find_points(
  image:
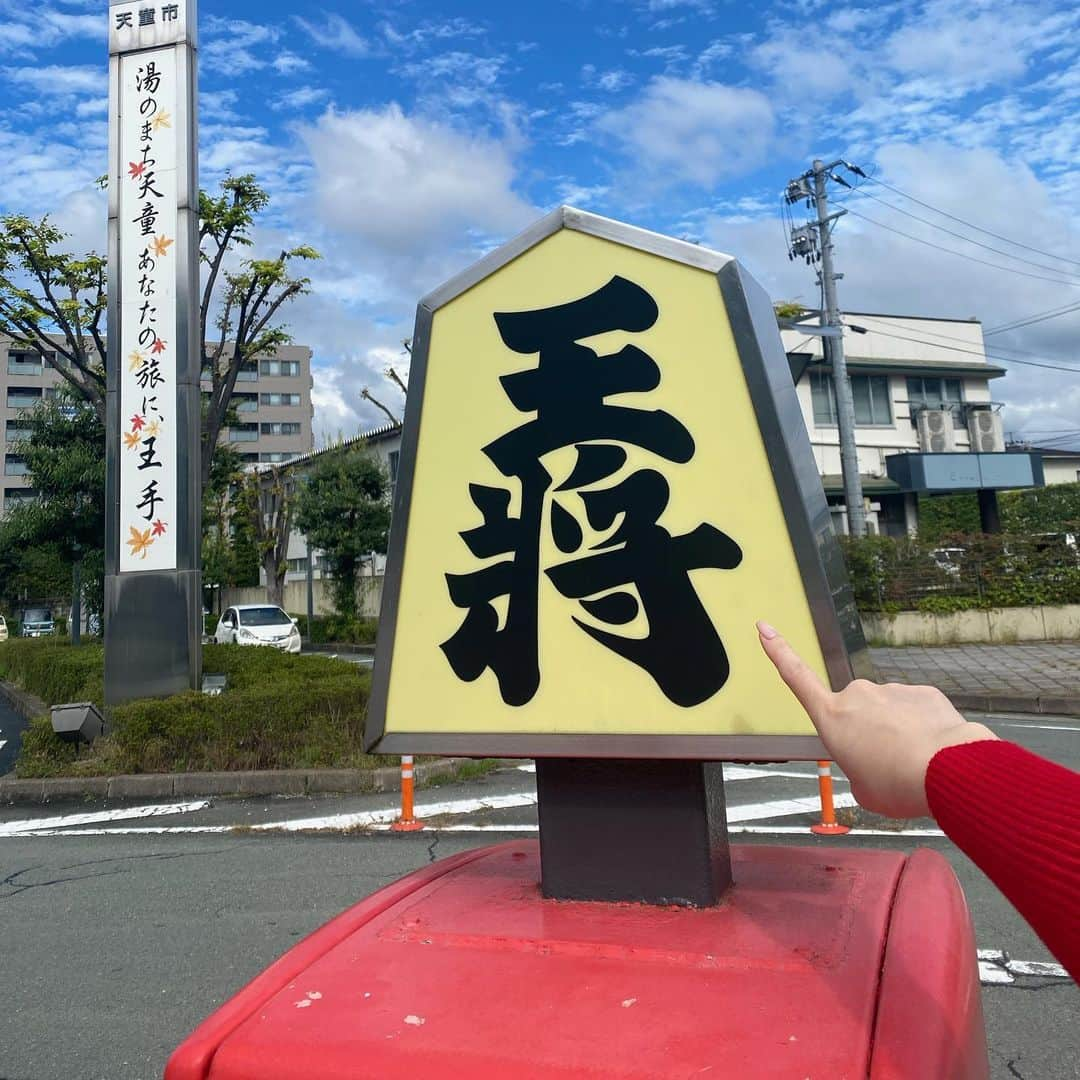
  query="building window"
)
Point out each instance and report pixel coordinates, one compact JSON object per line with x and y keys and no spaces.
{"x":873,"y":407}
{"x":247,"y":373}
{"x":14,"y":465}
{"x":22,"y":363}
{"x":23,"y":397}
{"x":297,"y":566}
{"x":280,"y":399}
{"x":276,"y":457}
{"x":246,"y":402}
{"x":279,"y":367}
{"x":244,"y":433}
{"x":280,"y":428}
{"x":249,"y":459}
{"x":936,"y":394}
{"x":14,"y":431}
{"x":16,"y":496}
{"x":821,"y":391}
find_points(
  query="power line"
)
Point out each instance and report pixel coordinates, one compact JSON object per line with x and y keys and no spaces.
{"x":944,"y":337}
{"x":968,"y":239}
{"x":1029,"y":320}
{"x":961,"y":254}
{"x":973,"y":352}
{"x":970,"y":224}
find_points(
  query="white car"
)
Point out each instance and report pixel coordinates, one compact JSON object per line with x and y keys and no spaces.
{"x":258,"y":624}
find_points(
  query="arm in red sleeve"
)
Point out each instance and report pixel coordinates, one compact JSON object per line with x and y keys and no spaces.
{"x":1017,"y":817}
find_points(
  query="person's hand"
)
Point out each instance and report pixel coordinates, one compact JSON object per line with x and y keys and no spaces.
{"x":883,"y":737}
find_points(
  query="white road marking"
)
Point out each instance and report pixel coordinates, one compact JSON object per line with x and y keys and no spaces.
{"x":14,"y":828}
{"x":735,"y":772}
{"x":997,"y":968}
{"x":1036,"y":727}
{"x":746,"y":772}
{"x":783,"y":807}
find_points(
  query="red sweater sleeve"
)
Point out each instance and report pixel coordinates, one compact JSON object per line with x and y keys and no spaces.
{"x":1017,"y":816}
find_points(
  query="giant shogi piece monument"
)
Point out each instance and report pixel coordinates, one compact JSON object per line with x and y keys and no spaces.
{"x":153,"y":602}
{"x":605,"y":481}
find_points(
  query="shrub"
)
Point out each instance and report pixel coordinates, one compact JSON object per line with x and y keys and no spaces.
{"x":961,"y":572}
{"x":278,"y":711}
{"x":53,"y":669}
{"x":338,"y":629}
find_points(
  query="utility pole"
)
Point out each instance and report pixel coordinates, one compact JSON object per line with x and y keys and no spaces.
{"x":820,"y":248}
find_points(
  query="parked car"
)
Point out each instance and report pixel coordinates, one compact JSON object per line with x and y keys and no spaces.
{"x":258,"y":624}
{"x":37,"y":622}
{"x":3,"y":629}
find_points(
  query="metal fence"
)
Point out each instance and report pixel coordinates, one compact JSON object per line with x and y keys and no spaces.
{"x":961,"y":572}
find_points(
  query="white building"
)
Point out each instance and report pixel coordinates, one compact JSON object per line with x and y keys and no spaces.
{"x":899,"y":366}
{"x":385,"y":444}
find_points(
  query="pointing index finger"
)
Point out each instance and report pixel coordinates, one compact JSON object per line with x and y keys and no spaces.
{"x":814,"y":696}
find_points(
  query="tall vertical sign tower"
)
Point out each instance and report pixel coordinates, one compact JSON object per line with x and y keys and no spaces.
{"x":153,"y":600}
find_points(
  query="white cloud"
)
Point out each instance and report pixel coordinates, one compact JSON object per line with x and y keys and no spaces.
{"x":335,"y":33}
{"x":404,"y":183}
{"x":303,"y":96}
{"x":611,"y":81}
{"x":43,"y":27}
{"x":887,"y":273}
{"x":697,"y":132}
{"x":236,"y":46}
{"x":288,"y":63}
{"x":54,"y":80}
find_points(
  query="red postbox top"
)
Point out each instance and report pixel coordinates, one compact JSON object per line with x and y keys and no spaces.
{"x":463,"y":970}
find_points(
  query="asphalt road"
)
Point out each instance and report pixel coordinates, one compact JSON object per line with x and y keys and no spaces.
{"x":114,"y":944}
{"x":11,"y":729}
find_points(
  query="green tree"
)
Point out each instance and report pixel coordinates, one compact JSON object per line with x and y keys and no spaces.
{"x":53,"y":302}
{"x":29,"y":575}
{"x":343,"y":509}
{"x":65,"y":459}
{"x":265,"y":502}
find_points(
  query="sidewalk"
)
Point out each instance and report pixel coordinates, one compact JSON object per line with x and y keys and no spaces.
{"x":1041,"y":677}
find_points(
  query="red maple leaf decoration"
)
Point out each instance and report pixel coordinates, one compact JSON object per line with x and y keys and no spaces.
{"x":158,"y":346}
{"x":137,"y":169}
{"x":159,"y":528}
{"x":137,"y":423}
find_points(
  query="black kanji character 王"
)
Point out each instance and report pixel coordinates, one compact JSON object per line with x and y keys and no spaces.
{"x":567,"y":393}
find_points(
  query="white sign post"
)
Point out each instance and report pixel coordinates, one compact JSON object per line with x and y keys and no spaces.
{"x":153,"y":599}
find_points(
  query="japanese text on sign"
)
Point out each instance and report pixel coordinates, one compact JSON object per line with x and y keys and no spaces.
{"x":634,"y":553}
{"x":148,"y":280}
{"x":141,"y":24}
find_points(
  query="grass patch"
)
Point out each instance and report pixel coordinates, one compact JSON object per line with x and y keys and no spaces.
{"x":279,"y":712}
{"x":465,"y":770}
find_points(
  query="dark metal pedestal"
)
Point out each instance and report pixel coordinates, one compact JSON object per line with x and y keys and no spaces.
{"x":653,"y":832}
{"x":152,"y":644}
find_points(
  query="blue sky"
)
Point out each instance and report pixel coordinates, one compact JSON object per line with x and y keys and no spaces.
{"x":405,"y":139}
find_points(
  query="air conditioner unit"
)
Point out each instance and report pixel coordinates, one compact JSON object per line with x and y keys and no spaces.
{"x":985,"y":430}
{"x":936,"y":434}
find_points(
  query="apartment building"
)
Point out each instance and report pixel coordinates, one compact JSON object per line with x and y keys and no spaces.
{"x":272,"y":399}
{"x":919,"y":384}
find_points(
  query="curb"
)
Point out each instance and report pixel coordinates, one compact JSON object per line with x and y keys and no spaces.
{"x":263,"y":782}
{"x":1016,"y":703}
{"x":26,"y":705}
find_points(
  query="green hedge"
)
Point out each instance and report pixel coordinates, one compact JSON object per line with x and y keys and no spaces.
{"x":279,"y":711}
{"x":962,"y":572}
{"x":1054,"y":509}
{"x":338,"y":629}
{"x":53,"y":670}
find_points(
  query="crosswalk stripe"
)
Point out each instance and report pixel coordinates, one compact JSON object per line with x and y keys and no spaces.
{"x":14,"y":828}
